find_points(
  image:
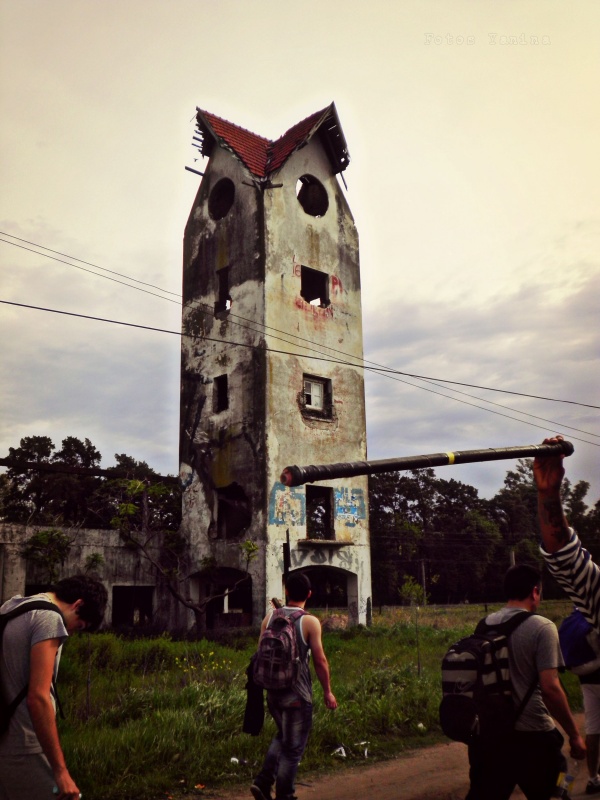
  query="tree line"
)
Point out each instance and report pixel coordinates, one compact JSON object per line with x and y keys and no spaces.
{"x":40,"y":497}
{"x":431,"y":539}
{"x":436,"y":539}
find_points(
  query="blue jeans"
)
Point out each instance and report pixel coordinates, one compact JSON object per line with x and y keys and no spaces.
{"x":293,"y":718}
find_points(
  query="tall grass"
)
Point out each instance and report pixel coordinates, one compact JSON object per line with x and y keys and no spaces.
{"x":156,"y":716}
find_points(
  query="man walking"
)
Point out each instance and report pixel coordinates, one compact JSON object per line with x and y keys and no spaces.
{"x":292,"y":708}
{"x":531,"y":756}
{"x":32,"y":762}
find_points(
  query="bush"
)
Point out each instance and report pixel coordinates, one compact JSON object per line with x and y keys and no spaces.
{"x":160,"y":714}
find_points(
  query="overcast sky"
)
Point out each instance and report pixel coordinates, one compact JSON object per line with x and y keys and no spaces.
{"x":473,"y":128}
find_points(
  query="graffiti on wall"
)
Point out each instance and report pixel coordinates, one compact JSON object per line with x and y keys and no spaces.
{"x":325,"y":557}
{"x":349,"y":506}
{"x":287,"y":506}
{"x":344,"y":558}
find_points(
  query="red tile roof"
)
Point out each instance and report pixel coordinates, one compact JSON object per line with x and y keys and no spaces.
{"x":264,"y":157}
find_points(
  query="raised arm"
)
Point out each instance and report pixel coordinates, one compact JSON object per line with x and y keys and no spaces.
{"x":548,"y":472}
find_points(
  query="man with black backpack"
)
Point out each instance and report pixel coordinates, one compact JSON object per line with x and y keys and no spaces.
{"x":530,"y":755}
{"x":32,"y":764}
{"x":282,"y":667}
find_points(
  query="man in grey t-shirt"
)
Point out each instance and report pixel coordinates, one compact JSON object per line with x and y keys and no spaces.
{"x":31,"y":758}
{"x":531,"y":757}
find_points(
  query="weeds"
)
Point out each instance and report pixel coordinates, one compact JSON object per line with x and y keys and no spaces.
{"x":161,"y":716}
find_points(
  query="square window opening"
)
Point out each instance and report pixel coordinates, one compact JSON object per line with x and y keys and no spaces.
{"x":314,"y":287}
{"x":132,"y":606}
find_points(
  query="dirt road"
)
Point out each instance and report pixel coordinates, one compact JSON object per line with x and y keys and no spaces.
{"x":434,"y":773}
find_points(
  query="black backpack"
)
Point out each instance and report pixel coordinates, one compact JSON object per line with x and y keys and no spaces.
{"x":476,"y":687}
{"x":7,"y":709}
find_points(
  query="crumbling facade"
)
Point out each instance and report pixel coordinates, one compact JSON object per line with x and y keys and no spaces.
{"x":271,"y":370}
{"x":138,"y":595}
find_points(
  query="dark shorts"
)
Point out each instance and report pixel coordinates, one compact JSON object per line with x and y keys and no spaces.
{"x":530,"y":760}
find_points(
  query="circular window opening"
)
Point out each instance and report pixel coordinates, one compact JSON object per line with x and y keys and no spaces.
{"x":312,"y":196}
{"x":221,"y":198}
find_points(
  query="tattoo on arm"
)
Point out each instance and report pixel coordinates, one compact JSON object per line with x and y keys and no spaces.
{"x":552,"y":517}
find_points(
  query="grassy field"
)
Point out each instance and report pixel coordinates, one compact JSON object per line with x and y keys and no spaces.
{"x":149,"y":718}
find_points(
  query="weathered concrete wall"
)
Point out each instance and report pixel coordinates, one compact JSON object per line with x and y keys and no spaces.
{"x":221,"y":449}
{"x":329,"y":244}
{"x":122,"y":567}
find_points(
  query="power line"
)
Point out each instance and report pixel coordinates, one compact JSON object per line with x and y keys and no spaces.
{"x":377,"y":368}
{"x":83,"y":269}
{"x":81,"y":261}
{"x":269,"y":350}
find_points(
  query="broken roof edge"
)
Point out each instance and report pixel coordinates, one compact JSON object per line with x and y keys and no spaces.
{"x":264,"y":157}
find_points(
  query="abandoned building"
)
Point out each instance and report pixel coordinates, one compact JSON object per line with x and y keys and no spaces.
{"x":271,"y":376}
{"x":272,"y":366}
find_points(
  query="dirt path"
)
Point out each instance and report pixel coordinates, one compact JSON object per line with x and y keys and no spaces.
{"x":433,"y":773}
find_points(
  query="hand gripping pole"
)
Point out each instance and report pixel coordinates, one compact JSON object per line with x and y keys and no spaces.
{"x":296,"y":476}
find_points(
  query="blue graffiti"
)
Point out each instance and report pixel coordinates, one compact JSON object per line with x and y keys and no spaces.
{"x":350,"y":506}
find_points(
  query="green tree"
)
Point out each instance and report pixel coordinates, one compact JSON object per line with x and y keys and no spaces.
{"x":48,"y":550}
{"x":29,"y":491}
{"x":40,"y":496}
{"x":412,"y":593}
{"x":438,"y":532}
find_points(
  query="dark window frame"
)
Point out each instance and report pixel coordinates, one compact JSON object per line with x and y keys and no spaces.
{"x":220,"y":393}
{"x":223,"y":302}
{"x":320,"y":527}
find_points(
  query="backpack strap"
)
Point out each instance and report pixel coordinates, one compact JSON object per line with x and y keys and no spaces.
{"x":504,"y":628}
{"x":24,"y":608}
{"x":293,"y":617}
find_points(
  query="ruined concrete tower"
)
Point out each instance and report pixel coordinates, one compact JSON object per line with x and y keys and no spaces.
{"x":271,"y":375}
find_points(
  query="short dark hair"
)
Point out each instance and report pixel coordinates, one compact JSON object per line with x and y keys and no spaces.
{"x":520,"y":581}
{"x":297,"y":587}
{"x":91,"y":591}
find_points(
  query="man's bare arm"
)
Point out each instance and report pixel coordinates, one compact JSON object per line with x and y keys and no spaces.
{"x":43,"y":717}
{"x":312,"y":632}
{"x":558,"y":705}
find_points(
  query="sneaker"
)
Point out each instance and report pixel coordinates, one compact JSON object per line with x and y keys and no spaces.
{"x":260,"y":794}
{"x":593,"y":787}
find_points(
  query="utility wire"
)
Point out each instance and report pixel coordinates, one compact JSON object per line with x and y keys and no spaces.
{"x":269,"y":350}
{"x":361,"y":363}
{"x":81,"y":261}
{"x":386,"y":372}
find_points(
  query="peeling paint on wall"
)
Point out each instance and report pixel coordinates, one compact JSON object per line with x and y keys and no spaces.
{"x":287,"y":506}
{"x":350,"y":505}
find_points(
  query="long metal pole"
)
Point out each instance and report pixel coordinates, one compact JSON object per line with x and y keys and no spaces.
{"x":296,"y":476}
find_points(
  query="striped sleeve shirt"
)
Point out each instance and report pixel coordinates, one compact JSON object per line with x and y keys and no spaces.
{"x":574,"y":569}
